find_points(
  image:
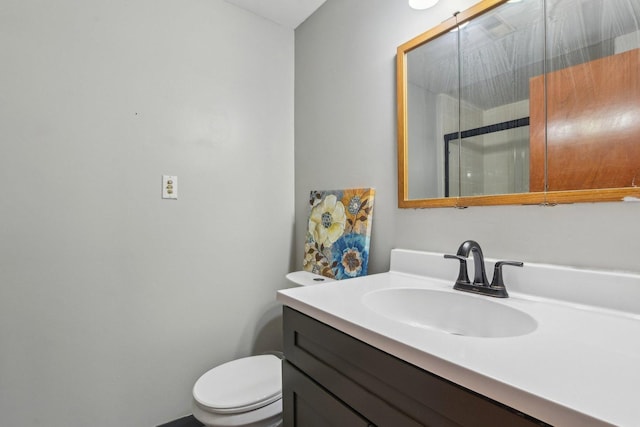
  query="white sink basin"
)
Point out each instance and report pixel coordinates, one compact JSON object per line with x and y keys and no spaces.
{"x":451,"y":312}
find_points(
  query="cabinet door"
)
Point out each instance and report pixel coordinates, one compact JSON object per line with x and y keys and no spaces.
{"x":309,"y":405}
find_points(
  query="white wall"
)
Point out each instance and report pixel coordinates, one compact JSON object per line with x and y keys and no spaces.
{"x":113,"y":301}
{"x":346,"y":136}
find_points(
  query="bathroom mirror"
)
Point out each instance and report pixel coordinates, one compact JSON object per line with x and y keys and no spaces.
{"x":512,"y":102}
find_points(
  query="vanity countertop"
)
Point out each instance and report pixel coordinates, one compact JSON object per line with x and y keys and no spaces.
{"x":580,"y":366}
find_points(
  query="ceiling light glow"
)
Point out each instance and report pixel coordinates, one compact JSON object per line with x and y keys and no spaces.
{"x":422,"y":4}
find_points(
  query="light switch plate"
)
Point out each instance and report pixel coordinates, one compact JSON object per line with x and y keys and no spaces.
{"x":169,"y":187}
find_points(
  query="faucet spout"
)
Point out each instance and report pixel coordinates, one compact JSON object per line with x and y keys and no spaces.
{"x":472,"y":247}
{"x":480,"y":283}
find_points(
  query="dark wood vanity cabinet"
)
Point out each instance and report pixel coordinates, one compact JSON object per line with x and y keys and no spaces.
{"x":333,"y":379}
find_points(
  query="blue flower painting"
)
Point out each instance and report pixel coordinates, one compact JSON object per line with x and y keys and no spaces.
{"x":338,"y":233}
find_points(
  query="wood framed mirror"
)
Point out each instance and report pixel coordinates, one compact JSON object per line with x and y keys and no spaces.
{"x":521,"y":102}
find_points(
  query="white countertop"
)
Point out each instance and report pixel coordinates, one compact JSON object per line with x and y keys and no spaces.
{"x":580,"y":367}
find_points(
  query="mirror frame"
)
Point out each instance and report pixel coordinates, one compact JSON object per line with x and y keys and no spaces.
{"x":535,"y":198}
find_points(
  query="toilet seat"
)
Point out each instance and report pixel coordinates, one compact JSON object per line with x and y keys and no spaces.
{"x":240,"y":385}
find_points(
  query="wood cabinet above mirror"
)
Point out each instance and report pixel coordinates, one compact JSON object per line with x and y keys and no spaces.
{"x":521,"y":102}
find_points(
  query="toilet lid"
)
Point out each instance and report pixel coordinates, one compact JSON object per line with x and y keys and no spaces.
{"x":240,"y":385}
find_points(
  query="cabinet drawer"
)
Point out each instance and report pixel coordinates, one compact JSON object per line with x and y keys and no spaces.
{"x":386,"y":390}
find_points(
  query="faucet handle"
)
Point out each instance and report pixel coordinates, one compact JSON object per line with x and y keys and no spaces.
{"x":463,"y":277}
{"x":497,"y":281}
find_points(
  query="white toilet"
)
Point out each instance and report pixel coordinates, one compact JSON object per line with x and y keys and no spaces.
{"x":245,"y":392}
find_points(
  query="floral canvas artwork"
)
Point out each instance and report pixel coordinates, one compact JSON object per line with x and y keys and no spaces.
{"x":338,"y":233}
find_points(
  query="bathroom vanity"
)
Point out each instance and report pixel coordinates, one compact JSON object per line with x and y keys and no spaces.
{"x":361,"y":352}
{"x":342,"y":381}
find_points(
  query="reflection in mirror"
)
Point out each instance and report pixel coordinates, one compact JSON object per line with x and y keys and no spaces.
{"x":500,"y":51}
{"x":592,"y":97}
{"x":567,"y":72}
{"x":432,"y":93}
{"x":499,"y":153}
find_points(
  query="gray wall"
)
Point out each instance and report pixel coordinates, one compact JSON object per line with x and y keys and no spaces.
{"x":113,"y":301}
{"x":423,"y":145}
{"x":346,"y":137}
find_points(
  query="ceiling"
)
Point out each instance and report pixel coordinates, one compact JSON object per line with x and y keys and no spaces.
{"x":288,"y":13}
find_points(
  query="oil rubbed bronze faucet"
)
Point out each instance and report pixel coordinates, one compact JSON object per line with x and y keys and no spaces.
{"x":480,"y":284}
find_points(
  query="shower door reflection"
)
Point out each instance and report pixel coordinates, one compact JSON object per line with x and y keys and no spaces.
{"x":491,"y":159}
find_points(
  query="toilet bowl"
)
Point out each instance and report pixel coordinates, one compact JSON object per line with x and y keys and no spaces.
{"x":245,"y":392}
